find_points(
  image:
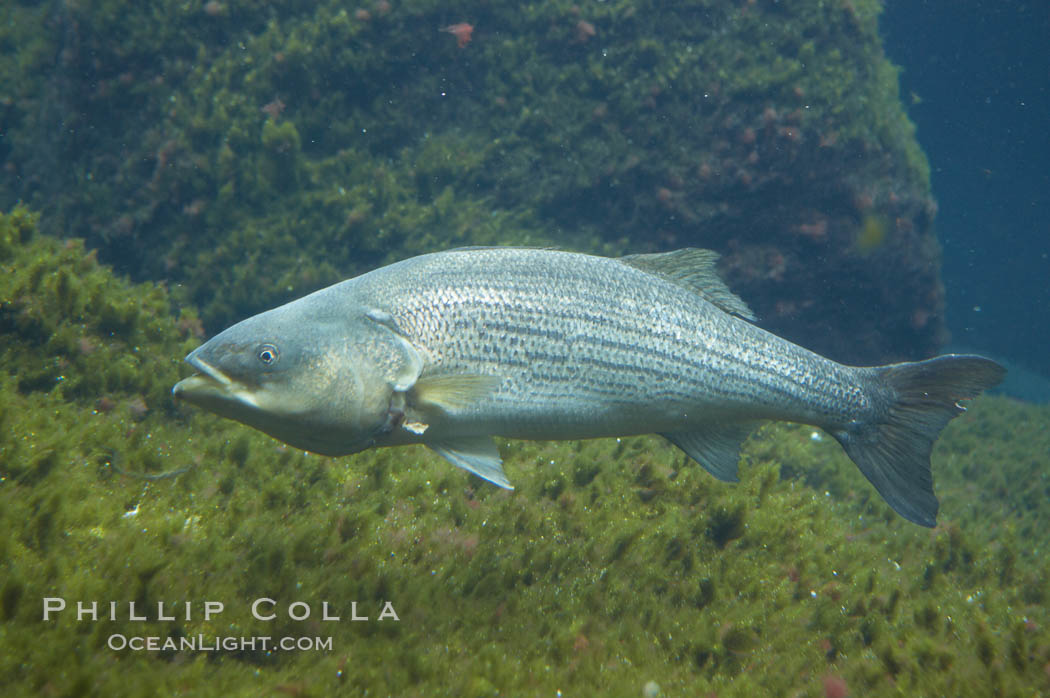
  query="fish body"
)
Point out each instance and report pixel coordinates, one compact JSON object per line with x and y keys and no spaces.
{"x":452,"y":348}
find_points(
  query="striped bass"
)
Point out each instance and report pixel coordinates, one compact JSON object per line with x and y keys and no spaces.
{"x":452,"y":348}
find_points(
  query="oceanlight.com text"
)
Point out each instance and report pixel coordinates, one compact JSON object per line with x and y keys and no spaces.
{"x":200,"y":643}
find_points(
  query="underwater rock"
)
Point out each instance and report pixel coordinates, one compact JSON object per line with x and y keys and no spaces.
{"x":771,"y":132}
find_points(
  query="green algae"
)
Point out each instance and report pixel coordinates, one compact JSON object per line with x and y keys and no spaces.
{"x":615,"y":562}
{"x":250,"y":152}
{"x":78,"y":338}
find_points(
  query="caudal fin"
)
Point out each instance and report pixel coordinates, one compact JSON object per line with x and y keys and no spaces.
{"x":893,"y":449}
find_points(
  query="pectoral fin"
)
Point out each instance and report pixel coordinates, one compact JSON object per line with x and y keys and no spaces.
{"x":476,"y":454}
{"x":716,"y":446}
{"x":444,"y":393}
{"x":452,"y":391}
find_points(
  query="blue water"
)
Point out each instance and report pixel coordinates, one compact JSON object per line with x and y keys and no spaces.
{"x":976,"y":79}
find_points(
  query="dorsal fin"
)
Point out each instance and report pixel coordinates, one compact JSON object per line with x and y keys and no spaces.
{"x":693,"y":269}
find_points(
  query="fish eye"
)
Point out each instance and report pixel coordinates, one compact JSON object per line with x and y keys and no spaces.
{"x":268,"y":354}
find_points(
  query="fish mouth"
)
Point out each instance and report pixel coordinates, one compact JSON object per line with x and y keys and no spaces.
{"x":205,"y":369}
{"x":207,"y":379}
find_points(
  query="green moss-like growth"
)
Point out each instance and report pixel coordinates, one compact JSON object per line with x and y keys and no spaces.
{"x":615,"y":562}
{"x":282,"y":144}
{"x":80,"y":334}
{"x":252,"y":152}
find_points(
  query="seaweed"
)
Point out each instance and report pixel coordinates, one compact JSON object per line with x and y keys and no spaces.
{"x":616,"y":566}
{"x":247,"y":153}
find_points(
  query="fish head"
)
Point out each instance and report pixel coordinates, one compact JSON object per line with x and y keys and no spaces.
{"x":298,"y":375}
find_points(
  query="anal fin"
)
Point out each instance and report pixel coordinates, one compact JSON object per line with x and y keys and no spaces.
{"x":478,"y":454}
{"x":715,"y":445}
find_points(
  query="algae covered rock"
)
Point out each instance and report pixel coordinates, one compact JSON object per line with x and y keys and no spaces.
{"x":252,"y":153}
{"x":613,"y":562}
{"x":77,"y":332}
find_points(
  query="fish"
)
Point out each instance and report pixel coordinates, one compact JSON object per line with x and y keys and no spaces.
{"x":454,"y":348}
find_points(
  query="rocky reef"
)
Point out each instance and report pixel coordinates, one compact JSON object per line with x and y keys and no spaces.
{"x":248,"y":152}
{"x":616,"y":567}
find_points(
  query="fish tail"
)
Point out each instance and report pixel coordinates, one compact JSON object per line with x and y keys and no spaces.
{"x":915,"y":402}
